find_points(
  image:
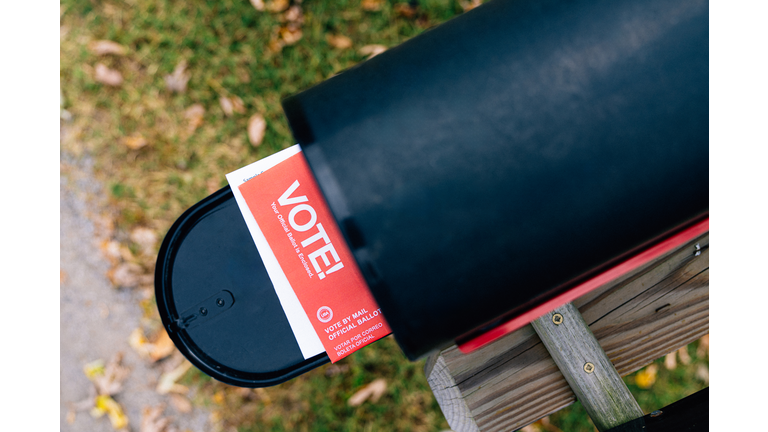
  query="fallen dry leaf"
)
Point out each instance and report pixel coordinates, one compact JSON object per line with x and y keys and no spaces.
{"x":372,"y":50}
{"x":372,"y":5}
{"x":162,"y":346}
{"x":108,"y":379}
{"x":111,"y":250}
{"x":181,"y":404}
{"x":135,"y":142}
{"x":126,"y":275}
{"x":62,"y":277}
{"x":139,"y":342}
{"x":244,"y":392}
{"x":212,"y":185}
{"x":151,"y":420}
{"x":405,"y":10}
{"x":167,"y":381}
{"x":107,"y":76}
{"x":227,"y":106}
{"x":258,"y":4}
{"x":685,"y":358}
{"x":702,"y":373}
{"x":339,"y":41}
{"x":106,"y":405}
{"x":231,"y":105}
{"x":294,"y":14}
{"x":469,"y":5}
{"x":703,"y":348}
{"x":670,"y":361}
{"x":177,"y":81}
{"x":194,"y":115}
{"x":336,"y":369}
{"x":257,"y":126}
{"x":145,"y":238}
{"x":290,"y":34}
{"x":105,"y":47}
{"x":547,"y":425}
{"x":646,"y":377}
{"x":374,"y":391}
{"x":94,"y":368}
{"x":263,"y":396}
{"x":71,"y":415}
{"x":277,"y":5}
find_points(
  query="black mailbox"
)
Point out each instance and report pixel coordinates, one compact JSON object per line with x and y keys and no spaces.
{"x":477,"y":171}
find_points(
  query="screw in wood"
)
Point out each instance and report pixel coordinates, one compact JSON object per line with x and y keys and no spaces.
{"x":589,"y":367}
{"x":557,"y":319}
{"x":698,"y":250}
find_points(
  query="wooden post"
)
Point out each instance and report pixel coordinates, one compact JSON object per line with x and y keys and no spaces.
{"x":637,"y":318}
{"x":586,"y":367}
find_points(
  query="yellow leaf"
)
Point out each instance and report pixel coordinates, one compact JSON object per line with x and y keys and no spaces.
{"x":105,"y":404}
{"x":257,"y":126}
{"x":646,"y":377}
{"x":374,"y":391}
{"x":94,"y":369}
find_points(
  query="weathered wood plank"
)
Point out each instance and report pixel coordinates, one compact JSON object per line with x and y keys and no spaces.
{"x":637,"y":319}
{"x":586,"y":368}
{"x":455,"y":408}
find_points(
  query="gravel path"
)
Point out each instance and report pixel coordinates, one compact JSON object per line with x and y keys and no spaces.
{"x":97,"y":319}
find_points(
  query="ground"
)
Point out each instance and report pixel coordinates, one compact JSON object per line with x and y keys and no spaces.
{"x":98,"y":319}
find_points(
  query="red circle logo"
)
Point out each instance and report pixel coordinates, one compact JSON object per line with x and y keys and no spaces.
{"x":324,"y":314}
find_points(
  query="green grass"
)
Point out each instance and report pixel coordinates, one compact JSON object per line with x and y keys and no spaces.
{"x":226,"y":44}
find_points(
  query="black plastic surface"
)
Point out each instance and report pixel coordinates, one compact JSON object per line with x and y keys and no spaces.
{"x":207,"y":255}
{"x":690,"y":414}
{"x":493,"y":161}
